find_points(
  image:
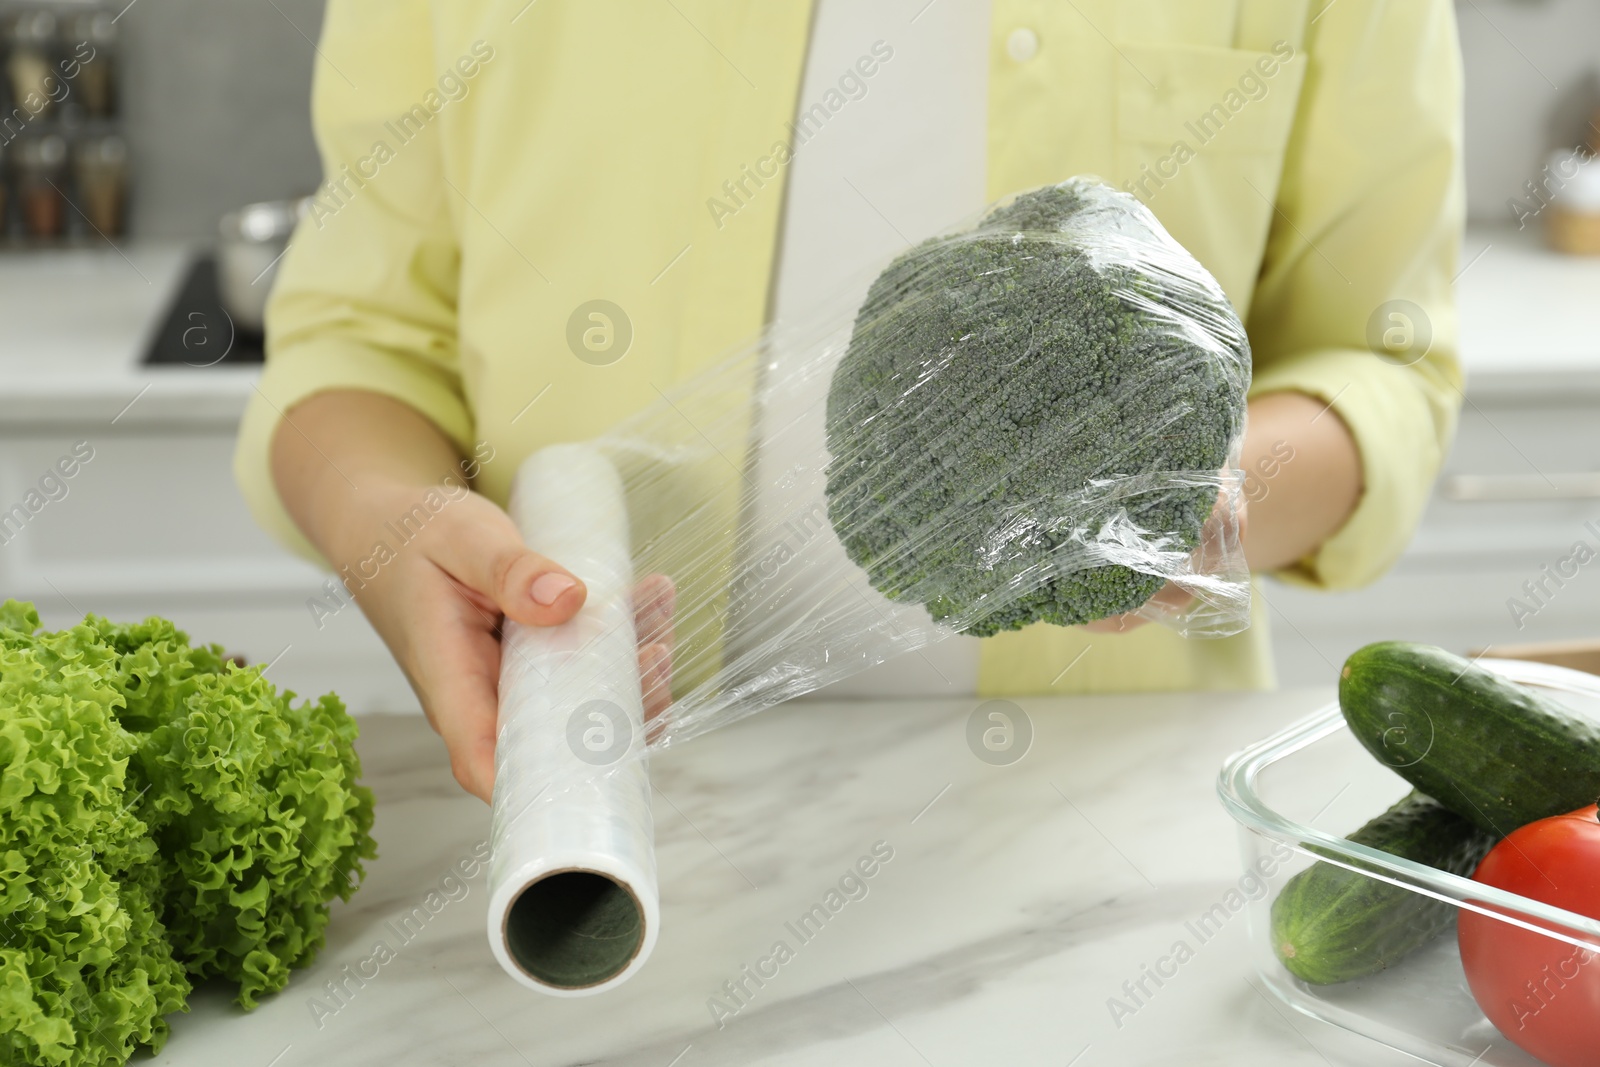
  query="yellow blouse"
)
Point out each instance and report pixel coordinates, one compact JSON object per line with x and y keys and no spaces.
{"x":494,"y":164}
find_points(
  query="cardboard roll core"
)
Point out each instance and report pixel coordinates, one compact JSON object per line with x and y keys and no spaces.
{"x":574,"y":929}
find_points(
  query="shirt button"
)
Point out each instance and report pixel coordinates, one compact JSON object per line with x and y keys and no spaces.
{"x":1022,"y":45}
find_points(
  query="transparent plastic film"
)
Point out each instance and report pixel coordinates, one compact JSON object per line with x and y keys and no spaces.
{"x":1033,"y":419}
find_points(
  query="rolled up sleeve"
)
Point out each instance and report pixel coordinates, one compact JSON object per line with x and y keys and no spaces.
{"x":1354,"y":303}
{"x":366,"y":296}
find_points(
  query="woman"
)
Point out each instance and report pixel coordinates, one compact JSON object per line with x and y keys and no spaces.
{"x":536,"y":214}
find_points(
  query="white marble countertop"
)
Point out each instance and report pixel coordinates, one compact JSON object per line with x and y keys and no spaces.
{"x":1530,"y":317}
{"x":75,"y":323}
{"x":1018,"y":900}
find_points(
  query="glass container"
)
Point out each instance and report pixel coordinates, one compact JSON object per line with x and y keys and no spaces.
{"x":1306,"y":786}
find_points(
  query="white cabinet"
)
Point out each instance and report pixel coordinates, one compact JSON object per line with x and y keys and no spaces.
{"x":151,"y":523}
{"x":1520,"y":491}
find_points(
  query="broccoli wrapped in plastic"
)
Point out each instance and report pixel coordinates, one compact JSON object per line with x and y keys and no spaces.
{"x":1031,"y":411}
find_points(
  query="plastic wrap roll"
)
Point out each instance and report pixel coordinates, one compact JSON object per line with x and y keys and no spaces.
{"x":573,"y":905}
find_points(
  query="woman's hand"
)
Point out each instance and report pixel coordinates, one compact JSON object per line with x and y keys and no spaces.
{"x":1173,"y":597}
{"x":438,"y":604}
{"x":435,"y":567}
{"x":1302,"y":481}
{"x":654,"y":605}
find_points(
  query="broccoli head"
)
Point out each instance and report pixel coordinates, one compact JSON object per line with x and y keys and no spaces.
{"x":1005,"y":422}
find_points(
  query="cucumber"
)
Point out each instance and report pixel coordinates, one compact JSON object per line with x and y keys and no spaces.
{"x":1331,"y":924}
{"x":1494,"y":752}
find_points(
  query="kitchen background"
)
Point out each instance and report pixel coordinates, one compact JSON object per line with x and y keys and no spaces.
{"x":212,"y":106}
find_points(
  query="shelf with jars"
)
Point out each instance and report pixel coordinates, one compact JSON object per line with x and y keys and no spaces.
{"x":64,"y":166}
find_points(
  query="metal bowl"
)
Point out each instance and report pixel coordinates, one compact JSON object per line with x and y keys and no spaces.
{"x":251,"y":242}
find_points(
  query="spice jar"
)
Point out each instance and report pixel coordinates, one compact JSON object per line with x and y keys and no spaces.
{"x":30,"y":66}
{"x":91,"y":62}
{"x":40,"y":168}
{"x":101,"y":170}
{"x":1572,"y":223}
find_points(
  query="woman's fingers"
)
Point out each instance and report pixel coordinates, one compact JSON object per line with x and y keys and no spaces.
{"x":654,"y":604}
{"x":482,"y":550}
{"x":1217,"y":543}
{"x":456,"y":672}
{"x":1170,"y":596}
{"x":1116,"y":624}
{"x":655,"y":679}
{"x":486,"y":570}
{"x":438,"y":602}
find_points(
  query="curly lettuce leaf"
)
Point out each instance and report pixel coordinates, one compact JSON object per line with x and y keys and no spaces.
{"x":254,"y":801}
{"x":86,"y":971}
{"x":163,"y":813}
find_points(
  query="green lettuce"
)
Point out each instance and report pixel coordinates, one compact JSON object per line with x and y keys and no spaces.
{"x":86,"y":970}
{"x":164,"y":813}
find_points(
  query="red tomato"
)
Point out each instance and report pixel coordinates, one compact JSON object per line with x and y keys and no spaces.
{"x":1542,"y":993}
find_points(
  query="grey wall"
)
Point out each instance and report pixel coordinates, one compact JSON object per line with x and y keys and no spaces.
{"x":1532,"y":85}
{"x":218,"y":97}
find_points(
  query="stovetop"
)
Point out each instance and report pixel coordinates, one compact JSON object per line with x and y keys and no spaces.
{"x":196,"y":331}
